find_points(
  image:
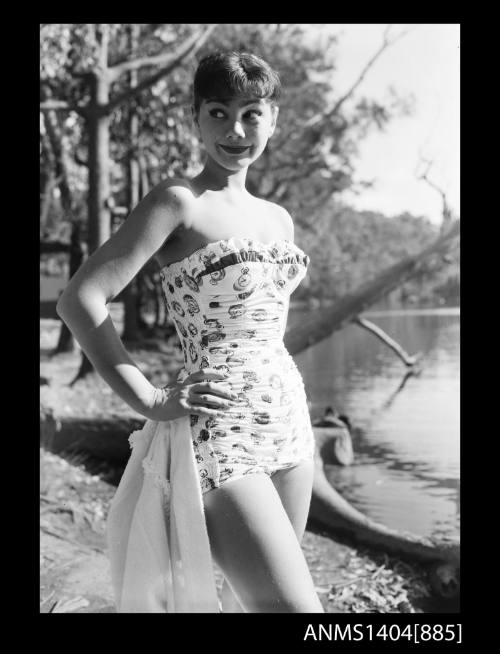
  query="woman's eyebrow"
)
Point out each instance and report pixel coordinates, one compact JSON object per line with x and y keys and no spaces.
{"x":226,"y":102}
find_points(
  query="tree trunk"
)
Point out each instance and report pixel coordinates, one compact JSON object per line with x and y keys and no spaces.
{"x":321,"y":324}
{"x":131,"y":315}
{"x":99,"y":215}
{"x":130,"y":303}
{"x":54,"y":132}
{"x":66,"y":342}
{"x":46,"y":199}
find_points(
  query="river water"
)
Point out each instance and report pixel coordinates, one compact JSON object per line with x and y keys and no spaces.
{"x":407,"y":457}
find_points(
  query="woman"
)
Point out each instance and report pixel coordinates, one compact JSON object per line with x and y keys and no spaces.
{"x":228,"y":265}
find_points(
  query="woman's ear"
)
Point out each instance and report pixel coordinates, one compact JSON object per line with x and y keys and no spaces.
{"x":274,"y":118}
{"x":194,"y":116}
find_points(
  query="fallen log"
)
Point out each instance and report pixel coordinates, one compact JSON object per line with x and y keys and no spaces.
{"x":104,"y":437}
{"x":333,"y":511}
{"x":320,"y":324}
{"x":335,"y":514}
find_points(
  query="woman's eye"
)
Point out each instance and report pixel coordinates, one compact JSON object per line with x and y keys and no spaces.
{"x":217,"y":113}
{"x":254,"y":113}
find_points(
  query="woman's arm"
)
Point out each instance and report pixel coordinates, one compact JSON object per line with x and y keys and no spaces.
{"x":83,"y":304}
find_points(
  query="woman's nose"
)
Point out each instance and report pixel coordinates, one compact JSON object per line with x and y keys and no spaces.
{"x":236,"y":129}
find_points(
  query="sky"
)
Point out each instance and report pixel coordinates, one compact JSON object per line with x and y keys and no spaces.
{"x":423,"y":63}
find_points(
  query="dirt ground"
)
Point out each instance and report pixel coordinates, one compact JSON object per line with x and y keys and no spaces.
{"x":76,"y":491}
{"x":74,"y":568}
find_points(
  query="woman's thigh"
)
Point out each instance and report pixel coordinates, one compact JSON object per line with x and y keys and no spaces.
{"x":294,"y":486}
{"x":256,"y":547}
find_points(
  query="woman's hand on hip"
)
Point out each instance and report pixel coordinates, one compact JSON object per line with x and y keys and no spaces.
{"x":203,"y":392}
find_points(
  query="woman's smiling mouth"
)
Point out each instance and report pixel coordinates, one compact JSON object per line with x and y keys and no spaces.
{"x":233,"y":149}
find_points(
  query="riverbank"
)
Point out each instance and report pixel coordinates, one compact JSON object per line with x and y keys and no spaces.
{"x":76,"y":491}
{"x":74,"y":568}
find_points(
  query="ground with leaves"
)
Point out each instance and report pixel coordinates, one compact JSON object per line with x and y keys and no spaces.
{"x":76,"y":491}
{"x":74,"y":567}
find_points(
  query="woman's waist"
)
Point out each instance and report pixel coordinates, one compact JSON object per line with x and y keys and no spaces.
{"x":261,"y":363}
{"x":241,"y":335}
{"x":265,"y":400}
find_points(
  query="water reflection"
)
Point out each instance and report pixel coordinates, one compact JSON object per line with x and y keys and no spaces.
{"x":406,"y":472}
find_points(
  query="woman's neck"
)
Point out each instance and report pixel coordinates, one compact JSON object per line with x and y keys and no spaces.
{"x":216,"y":178}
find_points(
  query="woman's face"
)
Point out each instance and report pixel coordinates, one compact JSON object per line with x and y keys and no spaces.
{"x":235,"y":131}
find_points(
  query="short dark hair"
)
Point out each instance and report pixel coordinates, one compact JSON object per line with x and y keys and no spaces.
{"x":223,"y":75}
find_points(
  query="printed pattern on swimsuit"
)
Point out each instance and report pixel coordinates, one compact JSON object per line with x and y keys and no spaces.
{"x":228,"y":302}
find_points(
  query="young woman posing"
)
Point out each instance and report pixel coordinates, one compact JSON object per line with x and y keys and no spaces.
{"x":228,"y":266}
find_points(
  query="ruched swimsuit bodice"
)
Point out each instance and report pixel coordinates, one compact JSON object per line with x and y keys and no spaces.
{"x":228,"y":302}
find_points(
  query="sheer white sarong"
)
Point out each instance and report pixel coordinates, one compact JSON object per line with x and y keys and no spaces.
{"x":157,"y":537}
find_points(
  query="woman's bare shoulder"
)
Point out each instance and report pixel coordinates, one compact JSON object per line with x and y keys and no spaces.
{"x":282,"y":216}
{"x":174,"y":190}
{"x":171,"y":200}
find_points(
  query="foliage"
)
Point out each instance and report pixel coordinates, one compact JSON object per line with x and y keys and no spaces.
{"x":300,"y":165}
{"x":68,"y":52}
{"x":348,"y":247}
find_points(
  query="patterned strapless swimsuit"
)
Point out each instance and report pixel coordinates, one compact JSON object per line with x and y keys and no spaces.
{"x":227,"y":300}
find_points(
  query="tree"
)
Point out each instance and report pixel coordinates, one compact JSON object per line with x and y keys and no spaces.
{"x":98,"y":76}
{"x":76,"y":251}
{"x":347,"y":246}
{"x":130,"y":295}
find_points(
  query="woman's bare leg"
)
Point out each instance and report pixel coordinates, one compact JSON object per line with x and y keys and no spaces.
{"x":294,"y":486}
{"x":256,"y":547}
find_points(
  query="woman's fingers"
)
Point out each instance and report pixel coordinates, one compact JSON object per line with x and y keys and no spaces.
{"x":205,"y":375}
{"x":221,"y":390}
{"x":199,"y":409}
{"x":210,"y":400}
{"x":203,"y":392}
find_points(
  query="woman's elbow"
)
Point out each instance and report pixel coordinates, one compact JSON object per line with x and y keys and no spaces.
{"x":62,"y":305}
{"x":76,"y":302}
{"x":69,"y":299}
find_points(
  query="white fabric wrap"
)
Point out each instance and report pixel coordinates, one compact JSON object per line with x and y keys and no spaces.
{"x":157,"y":537}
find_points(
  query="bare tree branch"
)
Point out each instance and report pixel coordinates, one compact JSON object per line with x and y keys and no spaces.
{"x":171,"y":61}
{"x":446,"y":210}
{"x":386,"y":42}
{"x":50,"y":105}
{"x":303,"y":173}
{"x":408,"y":359}
{"x":62,"y":105}
{"x":312,"y":127}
